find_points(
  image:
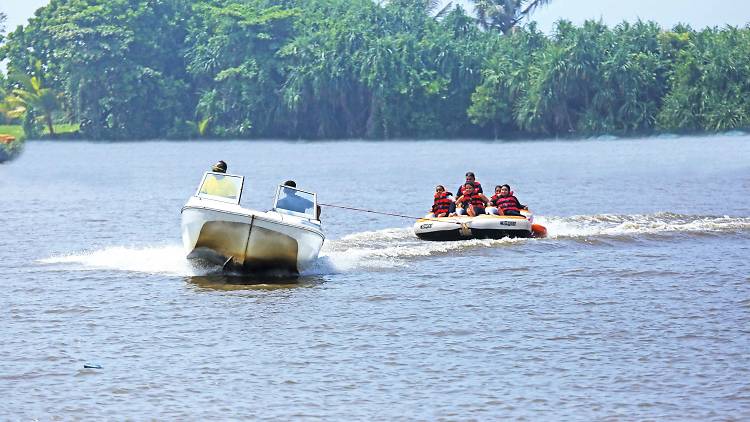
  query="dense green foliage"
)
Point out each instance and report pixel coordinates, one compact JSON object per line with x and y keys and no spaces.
{"x":584,"y":80}
{"x":118,"y":62}
{"x":138,"y":69}
{"x":361,"y":70}
{"x":710,"y":84}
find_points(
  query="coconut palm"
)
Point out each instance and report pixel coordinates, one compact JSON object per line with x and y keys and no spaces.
{"x":31,"y":97}
{"x":503,"y":15}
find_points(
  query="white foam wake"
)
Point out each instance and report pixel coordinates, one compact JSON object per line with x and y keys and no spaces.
{"x":391,"y":248}
{"x":639,"y":224}
{"x":168,"y":260}
{"x":384,"y":250}
{"x":373,"y":251}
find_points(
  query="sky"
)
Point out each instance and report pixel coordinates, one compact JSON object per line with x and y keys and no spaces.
{"x":19,"y":11}
{"x":667,"y":13}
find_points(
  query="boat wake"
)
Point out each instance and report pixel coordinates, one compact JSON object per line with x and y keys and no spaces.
{"x":391,"y":248}
{"x":168,"y":260}
{"x":385,"y":250}
{"x":633,"y":226}
{"x":379,"y":248}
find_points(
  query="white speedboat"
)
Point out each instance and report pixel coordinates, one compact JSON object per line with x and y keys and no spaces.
{"x":480,"y":227}
{"x":216,"y":229}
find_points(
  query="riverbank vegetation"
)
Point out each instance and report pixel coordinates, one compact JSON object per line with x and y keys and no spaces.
{"x":61,"y":130}
{"x":140,"y":69}
{"x":15,"y":131}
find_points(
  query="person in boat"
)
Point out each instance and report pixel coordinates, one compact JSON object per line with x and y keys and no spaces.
{"x":470,"y":178}
{"x":471,"y":202}
{"x":443,"y":205}
{"x":293,"y":202}
{"x":503,"y":202}
{"x":217,"y":184}
{"x":219,"y":167}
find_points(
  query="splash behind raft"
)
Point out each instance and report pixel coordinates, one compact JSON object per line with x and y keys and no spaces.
{"x":480,"y":227}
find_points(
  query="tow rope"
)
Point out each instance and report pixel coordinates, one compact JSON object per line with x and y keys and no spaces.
{"x":537,"y":229}
{"x":388,"y":213}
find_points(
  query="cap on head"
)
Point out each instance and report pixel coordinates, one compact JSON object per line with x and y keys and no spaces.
{"x":220,"y":167}
{"x":290,"y":183}
{"x":470,"y":174}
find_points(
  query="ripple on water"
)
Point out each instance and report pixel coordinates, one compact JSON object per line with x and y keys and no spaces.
{"x":623,"y":313}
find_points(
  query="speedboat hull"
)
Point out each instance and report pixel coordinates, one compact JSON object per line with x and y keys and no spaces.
{"x":480,"y":227}
{"x":247,"y":240}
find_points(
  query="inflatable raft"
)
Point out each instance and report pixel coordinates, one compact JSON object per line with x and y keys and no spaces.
{"x":480,"y":227}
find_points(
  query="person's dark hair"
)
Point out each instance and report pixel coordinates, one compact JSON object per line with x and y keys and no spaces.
{"x":470,"y":174}
{"x":219,"y":167}
{"x":470,"y":184}
{"x":506,"y":186}
{"x":498,"y":187}
{"x":290,"y":183}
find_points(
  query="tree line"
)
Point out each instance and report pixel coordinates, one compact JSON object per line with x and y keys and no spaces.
{"x":142,"y":69}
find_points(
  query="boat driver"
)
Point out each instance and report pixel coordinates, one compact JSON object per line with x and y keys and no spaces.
{"x":292,"y":201}
{"x":218,"y":185}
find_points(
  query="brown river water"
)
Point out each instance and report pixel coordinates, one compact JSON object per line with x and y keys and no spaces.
{"x":636,"y":307}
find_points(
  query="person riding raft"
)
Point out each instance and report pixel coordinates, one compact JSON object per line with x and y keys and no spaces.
{"x":471,"y":202}
{"x":470,"y":177}
{"x":442,"y":205}
{"x":503,"y":202}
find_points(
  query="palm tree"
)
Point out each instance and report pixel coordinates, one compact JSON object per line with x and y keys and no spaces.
{"x":503,"y":15}
{"x":198,"y":127}
{"x":31,"y":97}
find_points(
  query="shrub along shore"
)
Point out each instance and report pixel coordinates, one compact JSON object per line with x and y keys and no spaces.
{"x":146,"y":69}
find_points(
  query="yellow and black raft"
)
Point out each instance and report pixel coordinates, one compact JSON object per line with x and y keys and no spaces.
{"x":479,"y":227}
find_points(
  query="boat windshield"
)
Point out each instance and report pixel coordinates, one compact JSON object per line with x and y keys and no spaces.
{"x":221,"y":187}
{"x":293,"y":201}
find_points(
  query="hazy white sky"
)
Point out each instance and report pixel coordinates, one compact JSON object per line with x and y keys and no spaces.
{"x":666,"y":12}
{"x":19,"y":11}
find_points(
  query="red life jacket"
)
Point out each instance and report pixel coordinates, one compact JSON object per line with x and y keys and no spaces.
{"x":477,"y":188}
{"x":442,"y":203}
{"x":504,"y":203}
{"x":495,"y":197}
{"x":474,"y":199}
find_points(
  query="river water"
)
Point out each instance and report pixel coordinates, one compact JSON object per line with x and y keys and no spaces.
{"x":636,"y":307}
